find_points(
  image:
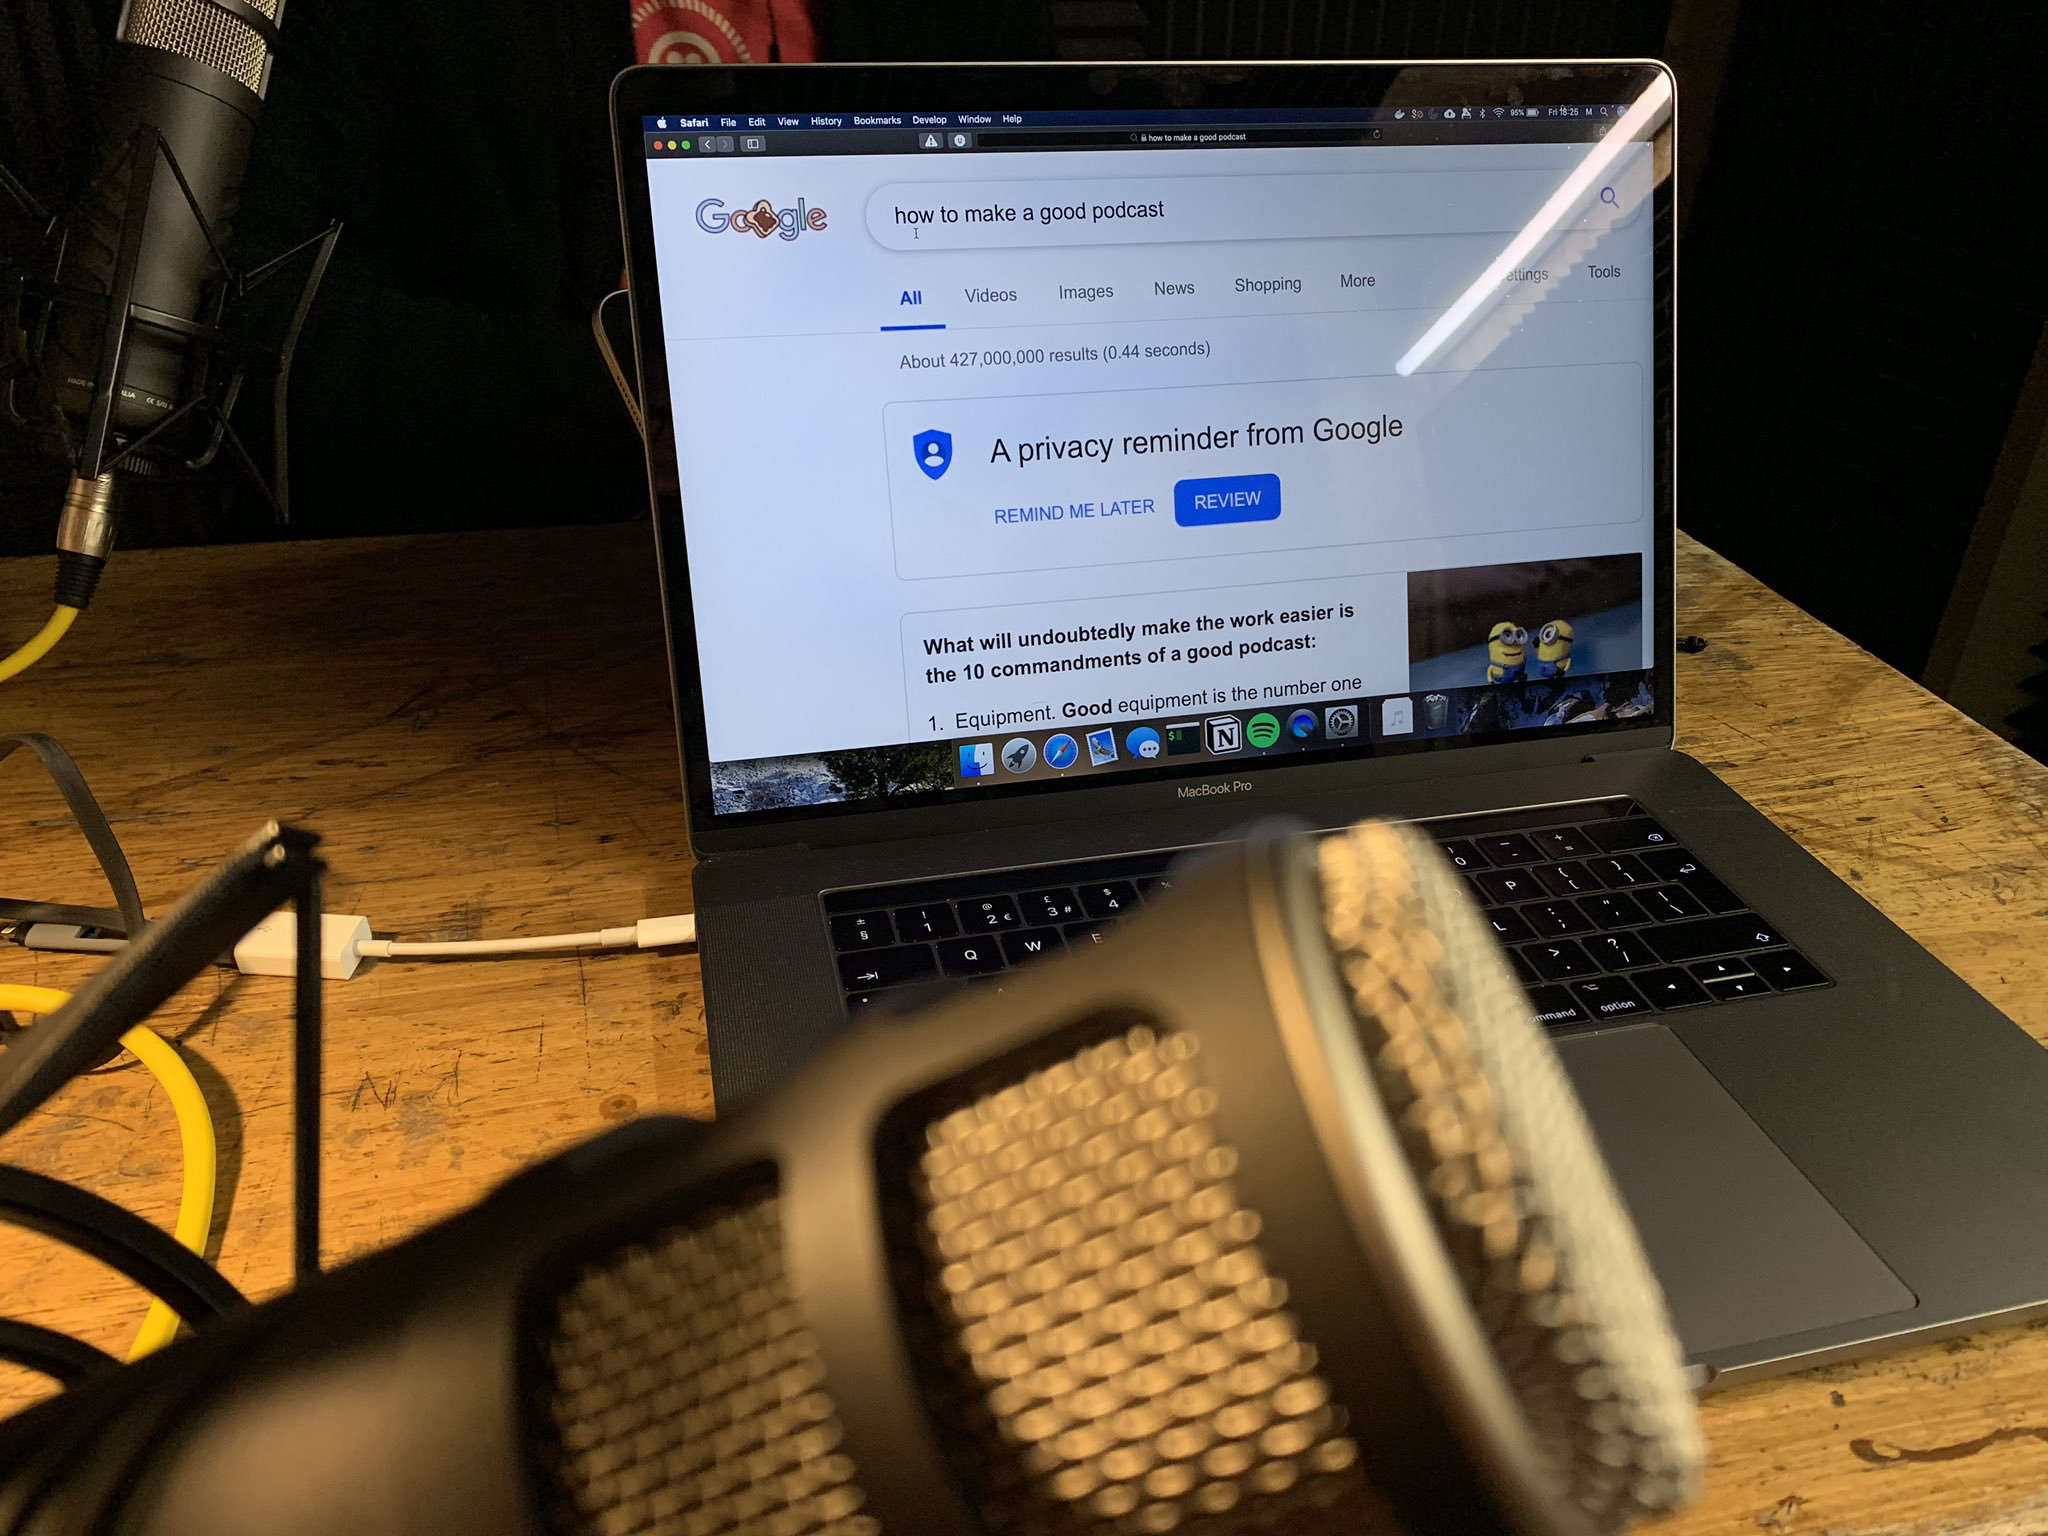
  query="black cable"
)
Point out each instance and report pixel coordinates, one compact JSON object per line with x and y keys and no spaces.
{"x":104,"y":918}
{"x":60,"y":1357}
{"x":92,"y":821}
{"x":120,"y":1239}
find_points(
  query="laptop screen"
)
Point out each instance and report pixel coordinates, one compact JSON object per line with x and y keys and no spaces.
{"x":1020,"y":449}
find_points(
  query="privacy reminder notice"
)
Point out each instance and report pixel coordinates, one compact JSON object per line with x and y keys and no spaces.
{"x":1036,"y":482}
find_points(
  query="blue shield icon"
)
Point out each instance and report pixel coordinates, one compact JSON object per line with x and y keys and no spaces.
{"x":934,"y":450}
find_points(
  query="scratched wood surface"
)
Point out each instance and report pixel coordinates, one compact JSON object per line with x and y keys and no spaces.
{"x":480,"y":728}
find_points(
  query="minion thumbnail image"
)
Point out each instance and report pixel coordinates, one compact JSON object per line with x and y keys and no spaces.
{"x":1533,"y":621}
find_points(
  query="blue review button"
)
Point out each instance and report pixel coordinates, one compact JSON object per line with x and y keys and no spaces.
{"x":1226,"y":499}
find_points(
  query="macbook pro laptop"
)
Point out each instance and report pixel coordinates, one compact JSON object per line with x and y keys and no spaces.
{"x":1056,"y":467}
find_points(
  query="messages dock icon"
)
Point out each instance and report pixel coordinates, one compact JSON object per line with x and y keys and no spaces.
{"x":934,"y":450}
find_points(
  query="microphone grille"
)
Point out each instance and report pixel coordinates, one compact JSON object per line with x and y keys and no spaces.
{"x":1090,"y":1305}
{"x":207,"y":33}
{"x":684,"y":1392}
{"x":1515,"y":1184}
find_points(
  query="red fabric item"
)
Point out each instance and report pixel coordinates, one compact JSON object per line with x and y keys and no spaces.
{"x":724,"y":31}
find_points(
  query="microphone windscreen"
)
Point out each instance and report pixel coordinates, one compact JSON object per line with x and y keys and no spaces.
{"x":1106,"y":1323}
{"x":206,"y":33}
{"x":1519,"y":1193}
{"x":687,"y":1393}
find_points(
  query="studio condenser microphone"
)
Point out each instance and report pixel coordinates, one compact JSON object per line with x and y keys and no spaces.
{"x":195,"y":73}
{"x":1272,"y":1213}
{"x":128,"y":344}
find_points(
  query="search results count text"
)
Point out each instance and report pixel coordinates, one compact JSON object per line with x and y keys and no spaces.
{"x":1105,"y":353}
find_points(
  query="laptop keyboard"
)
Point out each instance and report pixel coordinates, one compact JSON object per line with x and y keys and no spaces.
{"x":1603,"y":917}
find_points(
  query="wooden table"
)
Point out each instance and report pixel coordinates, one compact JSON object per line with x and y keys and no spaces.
{"x":480,"y":728}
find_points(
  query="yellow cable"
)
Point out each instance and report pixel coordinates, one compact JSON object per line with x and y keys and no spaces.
{"x":195,"y":1133}
{"x":44,"y":642}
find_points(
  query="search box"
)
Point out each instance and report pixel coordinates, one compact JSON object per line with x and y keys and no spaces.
{"x":1160,"y":210}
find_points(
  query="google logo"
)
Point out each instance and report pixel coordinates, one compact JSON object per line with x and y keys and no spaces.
{"x":763,"y":219}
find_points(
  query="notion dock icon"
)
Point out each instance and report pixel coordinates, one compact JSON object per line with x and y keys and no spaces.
{"x":934,"y":450}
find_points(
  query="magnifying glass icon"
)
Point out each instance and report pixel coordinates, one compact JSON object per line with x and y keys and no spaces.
{"x":1607,"y":196}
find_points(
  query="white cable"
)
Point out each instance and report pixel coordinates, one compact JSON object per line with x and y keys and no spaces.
{"x":270,"y":948}
{"x":648,"y":933}
{"x":399,"y":949}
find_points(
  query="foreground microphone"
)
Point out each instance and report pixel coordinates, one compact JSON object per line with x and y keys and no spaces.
{"x":1272,"y":1213}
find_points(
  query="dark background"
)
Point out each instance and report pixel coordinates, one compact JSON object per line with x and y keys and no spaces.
{"x":1861,"y":240}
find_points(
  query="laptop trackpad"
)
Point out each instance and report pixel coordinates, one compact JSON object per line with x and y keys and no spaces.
{"x":1746,"y":1247}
